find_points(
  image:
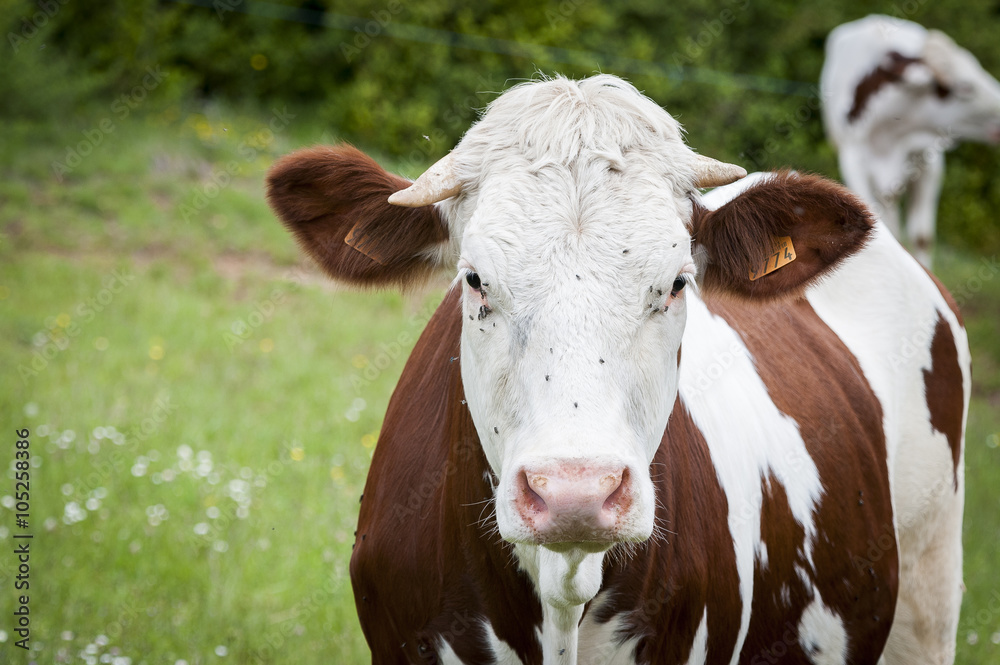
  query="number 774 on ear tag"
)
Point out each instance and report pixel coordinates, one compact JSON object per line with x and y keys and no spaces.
{"x":784,"y":253}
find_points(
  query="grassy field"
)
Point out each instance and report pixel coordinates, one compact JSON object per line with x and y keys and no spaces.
{"x":202,"y":407}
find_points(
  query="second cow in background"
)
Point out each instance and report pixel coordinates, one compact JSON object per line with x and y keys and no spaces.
{"x":895,"y":97}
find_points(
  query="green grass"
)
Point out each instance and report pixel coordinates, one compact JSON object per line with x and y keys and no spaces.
{"x":211,"y":414}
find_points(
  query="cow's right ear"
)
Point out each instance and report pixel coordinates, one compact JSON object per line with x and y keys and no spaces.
{"x":778,"y":236}
{"x":334,"y":200}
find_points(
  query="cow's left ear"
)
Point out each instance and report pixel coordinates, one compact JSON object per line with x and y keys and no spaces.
{"x":738,"y":245}
{"x":335,"y":200}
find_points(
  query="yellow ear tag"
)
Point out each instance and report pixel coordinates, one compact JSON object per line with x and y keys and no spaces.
{"x":783,"y":254}
{"x":358,"y":242}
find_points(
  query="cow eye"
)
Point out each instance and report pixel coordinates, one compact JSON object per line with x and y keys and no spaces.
{"x":678,"y":286}
{"x":473,"y":279}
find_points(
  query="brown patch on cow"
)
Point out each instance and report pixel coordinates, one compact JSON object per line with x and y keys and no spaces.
{"x":943,"y":384}
{"x":780,"y":594}
{"x":813,"y":378}
{"x":890,"y":70}
{"x":327,"y":196}
{"x":427,"y":562}
{"x":825,"y":222}
{"x":663,"y":589}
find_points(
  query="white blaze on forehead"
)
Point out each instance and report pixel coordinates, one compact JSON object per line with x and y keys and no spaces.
{"x":569,"y":124}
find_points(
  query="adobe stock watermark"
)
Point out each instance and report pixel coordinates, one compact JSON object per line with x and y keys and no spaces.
{"x":206,"y":533}
{"x":30,"y":26}
{"x":248,"y":150}
{"x":291,"y":622}
{"x":242,"y":329}
{"x":60,"y":330}
{"x":106,"y":467}
{"x":901,"y":10}
{"x":707,"y":375}
{"x":885,"y":541}
{"x":223,"y":7}
{"x":364,"y":35}
{"x":420,"y":494}
{"x":436,"y":142}
{"x":792,"y":121}
{"x":388,"y":353}
{"x":120,"y":109}
{"x":965,"y":291}
{"x":711,"y":30}
{"x":563,"y":11}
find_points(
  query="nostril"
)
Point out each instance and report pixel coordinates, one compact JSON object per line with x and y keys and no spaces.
{"x":621,"y":496}
{"x":528,"y":498}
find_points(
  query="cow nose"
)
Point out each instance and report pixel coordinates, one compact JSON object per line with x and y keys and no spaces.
{"x":577,"y":502}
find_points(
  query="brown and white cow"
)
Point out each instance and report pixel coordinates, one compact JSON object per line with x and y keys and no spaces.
{"x":611,"y":444}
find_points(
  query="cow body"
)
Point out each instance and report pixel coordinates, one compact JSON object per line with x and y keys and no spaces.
{"x":896,"y":96}
{"x":776,"y":522}
{"x":797,"y":444}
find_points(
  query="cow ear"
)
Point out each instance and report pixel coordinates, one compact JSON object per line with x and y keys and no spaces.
{"x":738,"y":244}
{"x":334,"y":200}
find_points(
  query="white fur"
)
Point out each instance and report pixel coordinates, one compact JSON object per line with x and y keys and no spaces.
{"x":503,"y":654}
{"x":446,"y":655}
{"x":600,"y":643}
{"x":699,"y":649}
{"x":822,"y":634}
{"x":896,"y":146}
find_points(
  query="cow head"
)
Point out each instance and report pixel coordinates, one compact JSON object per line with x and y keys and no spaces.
{"x":569,"y":218}
{"x":968,"y":97}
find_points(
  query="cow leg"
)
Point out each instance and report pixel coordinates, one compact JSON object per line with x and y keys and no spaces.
{"x":930,"y":585}
{"x":921,"y":209}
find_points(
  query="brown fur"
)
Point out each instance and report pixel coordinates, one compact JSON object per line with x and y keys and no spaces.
{"x":322,"y":194}
{"x":812,"y":377}
{"x":825,"y":222}
{"x":888,"y":72}
{"x":943,"y":386}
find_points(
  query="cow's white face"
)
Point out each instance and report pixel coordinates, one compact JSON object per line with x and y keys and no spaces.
{"x":574,"y":261}
{"x":573,"y":311}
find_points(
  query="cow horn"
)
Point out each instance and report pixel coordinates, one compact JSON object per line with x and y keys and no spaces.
{"x":437,"y":183}
{"x":710,"y":172}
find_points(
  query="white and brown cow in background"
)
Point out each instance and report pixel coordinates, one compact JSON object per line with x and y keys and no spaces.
{"x":611,"y":445}
{"x":895,"y":97}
